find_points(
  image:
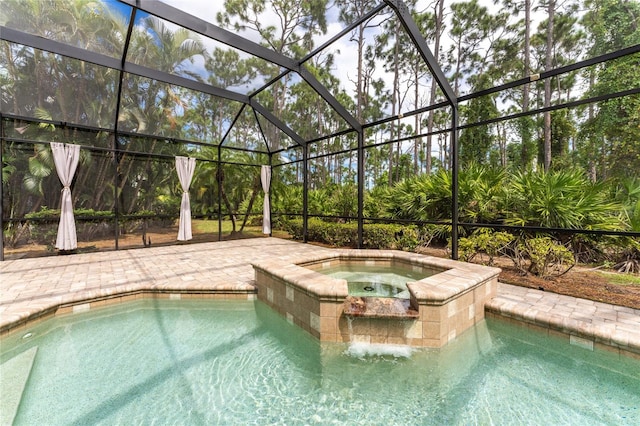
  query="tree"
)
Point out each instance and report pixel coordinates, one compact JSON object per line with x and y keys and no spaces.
{"x":562,"y":45}
{"x":298,"y":22}
{"x":479,"y":64}
{"x":611,"y":136}
{"x":438,"y":14}
{"x":524,"y":124}
{"x":475,"y":142}
{"x":548,"y":62}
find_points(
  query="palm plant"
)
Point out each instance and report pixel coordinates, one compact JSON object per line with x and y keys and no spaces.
{"x":561,"y":199}
{"x":481,"y":194}
{"x":319,"y":202}
{"x":627,"y":192}
{"x":428,"y":197}
{"x":425,"y":197}
{"x":204,"y":185}
{"x":344,"y":200}
{"x":286,"y":198}
{"x":240,"y":187}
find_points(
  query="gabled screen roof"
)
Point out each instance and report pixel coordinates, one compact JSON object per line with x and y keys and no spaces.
{"x":156,"y":69}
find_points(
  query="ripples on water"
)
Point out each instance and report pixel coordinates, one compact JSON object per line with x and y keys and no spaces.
{"x":215,"y":362}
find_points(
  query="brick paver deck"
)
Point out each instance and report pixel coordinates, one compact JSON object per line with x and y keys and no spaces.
{"x":30,"y":288}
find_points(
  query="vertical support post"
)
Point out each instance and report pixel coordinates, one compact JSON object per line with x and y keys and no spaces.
{"x":116,"y":153}
{"x":271,"y":186}
{"x":360,"y":188}
{"x":219,"y":181}
{"x":1,"y":190}
{"x":116,"y":185}
{"x":454,"y":181}
{"x":305,"y":193}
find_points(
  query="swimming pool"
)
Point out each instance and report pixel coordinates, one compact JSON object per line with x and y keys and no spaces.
{"x":238,"y":362}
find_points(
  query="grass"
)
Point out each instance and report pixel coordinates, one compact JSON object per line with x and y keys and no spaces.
{"x":622,"y":279}
{"x":211,"y":226}
{"x":201,"y":226}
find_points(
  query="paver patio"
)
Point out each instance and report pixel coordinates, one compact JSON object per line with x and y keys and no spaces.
{"x":32,"y":288}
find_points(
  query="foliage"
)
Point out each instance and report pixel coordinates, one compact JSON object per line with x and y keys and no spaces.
{"x":627,"y":193}
{"x":42,"y":228}
{"x":47,"y":213}
{"x":378,"y":236}
{"x":428,"y":197}
{"x":424,"y":197}
{"x":547,"y":256}
{"x":560,"y":199}
{"x":485,"y":241}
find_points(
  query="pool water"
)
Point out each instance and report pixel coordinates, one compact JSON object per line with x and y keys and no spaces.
{"x":374,"y":280}
{"x":238,"y":362}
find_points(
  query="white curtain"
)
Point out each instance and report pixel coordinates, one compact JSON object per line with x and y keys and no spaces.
{"x":66,"y":159}
{"x":185,"y":168}
{"x":265,"y":178}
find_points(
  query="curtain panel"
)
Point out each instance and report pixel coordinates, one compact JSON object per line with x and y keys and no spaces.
{"x":66,"y":157}
{"x":185,"y":167}
{"x":265,"y":178}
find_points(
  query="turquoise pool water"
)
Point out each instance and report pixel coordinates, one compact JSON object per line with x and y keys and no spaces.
{"x":374,"y":280}
{"x":232,"y":363}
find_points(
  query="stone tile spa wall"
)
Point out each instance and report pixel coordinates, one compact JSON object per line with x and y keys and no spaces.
{"x":448,"y":302}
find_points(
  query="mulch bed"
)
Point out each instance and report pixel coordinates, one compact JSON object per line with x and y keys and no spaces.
{"x":577,"y":283}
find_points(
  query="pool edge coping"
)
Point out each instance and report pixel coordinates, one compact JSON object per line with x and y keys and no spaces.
{"x":579,"y":333}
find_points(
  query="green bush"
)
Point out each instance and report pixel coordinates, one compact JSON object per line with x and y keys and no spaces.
{"x":561,"y":199}
{"x":484,"y":241}
{"x":44,"y":229}
{"x":390,"y":236}
{"x":47,"y":213}
{"x":547,"y":256}
{"x":375,"y":236}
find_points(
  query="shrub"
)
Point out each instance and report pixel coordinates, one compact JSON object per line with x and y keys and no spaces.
{"x":44,"y":229}
{"x":547,"y":256}
{"x":561,"y":199}
{"x":484,"y":241}
{"x":390,"y":236}
{"x":375,"y":236}
{"x":627,"y":255}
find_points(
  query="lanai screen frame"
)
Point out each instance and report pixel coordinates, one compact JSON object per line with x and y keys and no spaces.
{"x":401,"y":11}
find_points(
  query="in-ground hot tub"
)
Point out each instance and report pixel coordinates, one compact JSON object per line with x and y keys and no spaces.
{"x":434,"y":309}
{"x":371,"y":278}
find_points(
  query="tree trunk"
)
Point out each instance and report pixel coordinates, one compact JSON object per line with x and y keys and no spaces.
{"x":395,"y":102}
{"x":526,"y":131}
{"x":359,"y":82}
{"x":254,"y":192}
{"x":227,"y":204}
{"x":547,"y":86}
{"x":593,"y":171}
{"x":439,"y":13}
{"x":416,"y":142}
{"x":225,"y":199}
